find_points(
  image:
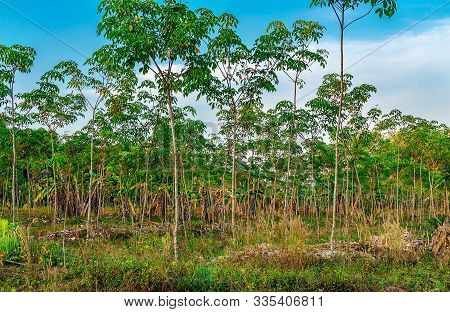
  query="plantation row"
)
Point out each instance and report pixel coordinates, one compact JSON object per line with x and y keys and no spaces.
{"x":144,"y":156}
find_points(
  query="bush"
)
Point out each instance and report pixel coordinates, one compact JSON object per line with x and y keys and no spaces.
{"x":9,"y":241}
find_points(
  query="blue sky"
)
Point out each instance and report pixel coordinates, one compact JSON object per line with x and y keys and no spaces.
{"x":75,"y":22}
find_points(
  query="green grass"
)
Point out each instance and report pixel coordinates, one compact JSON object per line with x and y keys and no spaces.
{"x":144,"y":263}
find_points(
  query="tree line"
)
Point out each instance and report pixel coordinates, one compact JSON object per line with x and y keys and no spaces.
{"x":144,"y":156}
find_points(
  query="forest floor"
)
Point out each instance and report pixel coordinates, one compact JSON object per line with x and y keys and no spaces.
{"x":265,"y":255}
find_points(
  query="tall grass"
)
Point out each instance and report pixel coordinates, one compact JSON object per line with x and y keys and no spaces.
{"x":288,"y":234}
{"x":396,"y":244}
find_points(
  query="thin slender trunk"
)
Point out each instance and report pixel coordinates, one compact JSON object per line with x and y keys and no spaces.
{"x":144,"y":206}
{"x":13,"y":136}
{"x":274,"y":189}
{"x":316,"y":207}
{"x":346,"y":191}
{"x":30,"y":185}
{"x":223,"y":198}
{"x":414,"y":192}
{"x":55,"y":188}
{"x":233,"y":174}
{"x":291,"y":142}
{"x":397,"y":186}
{"x":336,"y":152}
{"x":421,"y":194}
{"x":64,"y":225}
{"x":101,"y":170}
{"x":91,"y":166}
{"x":431,"y":182}
{"x":175,"y":172}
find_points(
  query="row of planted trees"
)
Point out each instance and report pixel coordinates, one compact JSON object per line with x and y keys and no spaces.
{"x":145,"y":156}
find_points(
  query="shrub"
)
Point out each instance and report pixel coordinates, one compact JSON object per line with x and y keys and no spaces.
{"x":9,"y":241}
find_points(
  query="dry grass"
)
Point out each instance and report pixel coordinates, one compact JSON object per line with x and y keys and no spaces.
{"x":289,"y":234}
{"x":397,"y":244}
{"x":25,"y":243}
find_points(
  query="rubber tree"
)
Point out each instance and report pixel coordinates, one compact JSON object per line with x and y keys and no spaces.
{"x":159,"y":39}
{"x":101,"y":82}
{"x":290,"y":49}
{"x":13,"y":60}
{"x":336,"y":104}
{"x":393,"y":123}
{"x":342,"y":9}
{"x":48,"y":106}
{"x":232,"y":78}
{"x":134,"y":117}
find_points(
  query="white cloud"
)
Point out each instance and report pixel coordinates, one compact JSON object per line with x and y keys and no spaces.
{"x":411,"y":73}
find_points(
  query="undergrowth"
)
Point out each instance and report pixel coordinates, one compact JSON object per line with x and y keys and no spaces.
{"x":262,"y":257}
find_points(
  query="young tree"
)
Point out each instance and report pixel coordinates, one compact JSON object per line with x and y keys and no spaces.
{"x":232,"y":78}
{"x":158,"y":38}
{"x":134,"y":118}
{"x":336,"y":104}
{"x":49,"y":107}
{"x":290,"y":50}
{"x":13,"y":60}
{"x":102,"y":82}
{"x":341,"y":9}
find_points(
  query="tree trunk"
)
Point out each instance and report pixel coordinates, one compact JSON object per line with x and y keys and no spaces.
{"x":339,"y":121}
{"x":175,"y":172}
{"x":55,"y":201}
{"x":233,"y":173}
{"x":144,"y":206}
{"x":91,"y":165}
{"x":13,"y":136}
{"x":397,"y":186}
{"x":291,"y":142}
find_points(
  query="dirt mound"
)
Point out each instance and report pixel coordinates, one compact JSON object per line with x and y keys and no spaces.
{"x":440,"y":242}
{"x":81,"y":233}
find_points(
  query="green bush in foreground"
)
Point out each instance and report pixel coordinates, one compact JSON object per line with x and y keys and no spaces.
{"x":9,"y":241}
